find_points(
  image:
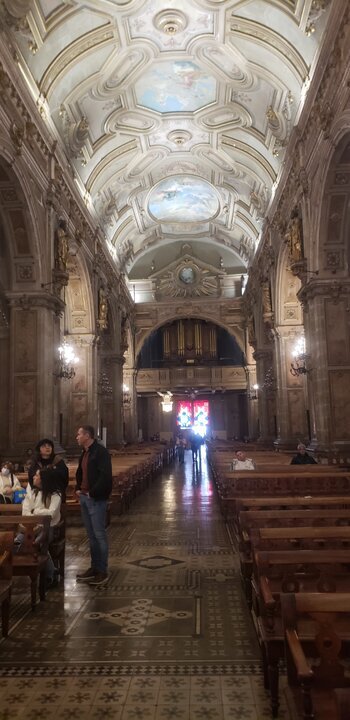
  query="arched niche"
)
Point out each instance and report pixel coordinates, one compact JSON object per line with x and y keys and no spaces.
{"x":334,"y":228}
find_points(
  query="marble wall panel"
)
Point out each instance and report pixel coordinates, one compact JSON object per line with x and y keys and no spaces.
{"x":79,"y":412}
{"x":297,"y":413}
{"x":26,"y":418}
{"x":26,"y":345}
{"x":337,"y":333}
{"x":339,"y":382}
{"x":337,"y":214}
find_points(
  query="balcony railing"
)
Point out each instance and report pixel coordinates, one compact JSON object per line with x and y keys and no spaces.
{"x":227,"y":377}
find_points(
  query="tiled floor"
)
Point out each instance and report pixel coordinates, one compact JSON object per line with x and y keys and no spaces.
{"x":169,"y":637}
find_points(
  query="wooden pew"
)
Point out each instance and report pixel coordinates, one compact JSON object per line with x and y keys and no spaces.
{"x":6,"y":547}
{"x":317,"y":626}
{"x":278,"y":572}
{"x":30,"y":560}
{"x":57,"y":547}
{"x":290,"y":537}
{"x":302,"y":483}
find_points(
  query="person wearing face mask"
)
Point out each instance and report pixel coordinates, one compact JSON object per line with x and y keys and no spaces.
{"x":8,"y":483}
{"x":45,"y":458}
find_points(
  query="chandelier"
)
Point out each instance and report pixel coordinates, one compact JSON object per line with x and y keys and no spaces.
{"x":298,"y":366}
{"x":167,"y":403}
{"x":68,"y":360}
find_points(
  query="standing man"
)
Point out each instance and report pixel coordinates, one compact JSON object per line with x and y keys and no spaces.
{"x":93,"y":488}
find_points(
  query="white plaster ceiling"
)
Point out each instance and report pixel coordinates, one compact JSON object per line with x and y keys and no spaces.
{"x":146,"y":91}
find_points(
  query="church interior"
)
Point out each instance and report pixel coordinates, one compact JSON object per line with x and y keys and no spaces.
{"x":175,"y":264}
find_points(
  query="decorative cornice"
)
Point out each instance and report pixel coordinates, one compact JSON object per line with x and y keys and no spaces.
{"x":30,"y":301}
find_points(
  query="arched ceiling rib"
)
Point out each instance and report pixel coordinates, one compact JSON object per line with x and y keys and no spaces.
{"x":153,"y":101}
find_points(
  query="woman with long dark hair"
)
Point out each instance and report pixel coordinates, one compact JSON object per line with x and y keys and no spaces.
{"x":45,"y":498}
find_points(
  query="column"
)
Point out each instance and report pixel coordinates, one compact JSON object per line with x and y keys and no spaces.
{"x":327,"y":319}
{"x":130,"y":408}
{"x":79,"y":395}
{"x":266,"y":395}
{"x":292,"y":423}
{"x":252,"y":395}
{"x":34,"y":321}
{"x":115,"y":433}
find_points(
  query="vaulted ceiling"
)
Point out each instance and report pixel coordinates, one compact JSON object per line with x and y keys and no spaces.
{"x":175,"y":115}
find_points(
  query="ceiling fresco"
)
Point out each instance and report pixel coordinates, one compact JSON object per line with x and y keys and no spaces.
{"x":175,"y":86}
{"x":175,"y":117}
{"x":183,"y":199}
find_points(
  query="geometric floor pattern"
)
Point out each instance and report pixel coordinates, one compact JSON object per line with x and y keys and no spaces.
{"x":169,"y":637}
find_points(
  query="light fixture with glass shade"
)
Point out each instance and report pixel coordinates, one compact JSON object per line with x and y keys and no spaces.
{"x":68,"y":361}
{"x":167,"y":403}
{"x":298,"y":366}
{"x":253,"y":394}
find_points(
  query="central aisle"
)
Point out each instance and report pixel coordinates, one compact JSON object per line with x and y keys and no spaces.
{"x":169,"y":637}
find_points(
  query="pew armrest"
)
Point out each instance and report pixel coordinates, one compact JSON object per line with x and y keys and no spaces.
{"x":266,"y":593}
{"x":300,"y":662}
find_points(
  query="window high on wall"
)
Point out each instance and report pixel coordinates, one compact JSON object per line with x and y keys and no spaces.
{"x":193,"y":416}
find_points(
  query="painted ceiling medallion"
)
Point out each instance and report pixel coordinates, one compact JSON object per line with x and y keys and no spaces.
{"x":170,"y":21}
{"x":175,"y":86}
{"x":183,"y":198}
{"x":179,"y":137}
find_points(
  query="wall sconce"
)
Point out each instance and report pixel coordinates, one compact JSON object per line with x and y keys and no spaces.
{"x":298,"y":366}
{"x":68,"y":360}
{"x":126,"y":395}
{"x":253,"y":393}
{"x":167,"y":403}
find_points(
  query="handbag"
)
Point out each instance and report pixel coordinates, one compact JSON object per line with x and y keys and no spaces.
{"x":18,"y":496}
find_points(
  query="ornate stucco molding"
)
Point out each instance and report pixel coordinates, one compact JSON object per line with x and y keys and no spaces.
{"x":31,"y":300}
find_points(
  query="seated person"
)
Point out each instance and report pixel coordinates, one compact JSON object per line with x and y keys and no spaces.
{"x":302,"y":457}
{"x":8,"y":483}
{"x":241,"y":462}
{"x":44,"y":498}
{"x":44,"y":457}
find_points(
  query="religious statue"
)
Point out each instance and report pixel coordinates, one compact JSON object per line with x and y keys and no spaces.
{"x":251,"y":330}
{"x":123,"y":333}
{"x":295,"y":237}
{"x":102,"y":310}
{"x":62,"y":247}
{"x":266,"y":299}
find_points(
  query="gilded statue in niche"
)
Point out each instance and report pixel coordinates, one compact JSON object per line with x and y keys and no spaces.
{"x":124,"y":333}
{"x":251,"y":330}
{"x":102,"y":310}
{"x":266,"y":299}
{"x":62,"y":247}
{"x":294,"y":236}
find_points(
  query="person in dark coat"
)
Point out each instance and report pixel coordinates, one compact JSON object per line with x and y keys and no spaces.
{"x":93,"y":488}
{"x":44,"y":458}
{"x":302,"y":457}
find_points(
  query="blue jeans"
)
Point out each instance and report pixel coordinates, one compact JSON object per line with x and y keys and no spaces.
{"x":93,"y":513}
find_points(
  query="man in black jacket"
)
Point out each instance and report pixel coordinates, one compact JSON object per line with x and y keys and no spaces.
{"x":302,"y":457}
{"x":93,"y":488}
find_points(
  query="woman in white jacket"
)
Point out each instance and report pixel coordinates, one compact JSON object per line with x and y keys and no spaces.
{"x":8,"y":483}
{"x":44,"y":498}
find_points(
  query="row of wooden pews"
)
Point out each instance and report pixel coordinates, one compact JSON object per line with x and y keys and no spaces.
{"x":133,"y":469}
{"x":291,"y":527}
